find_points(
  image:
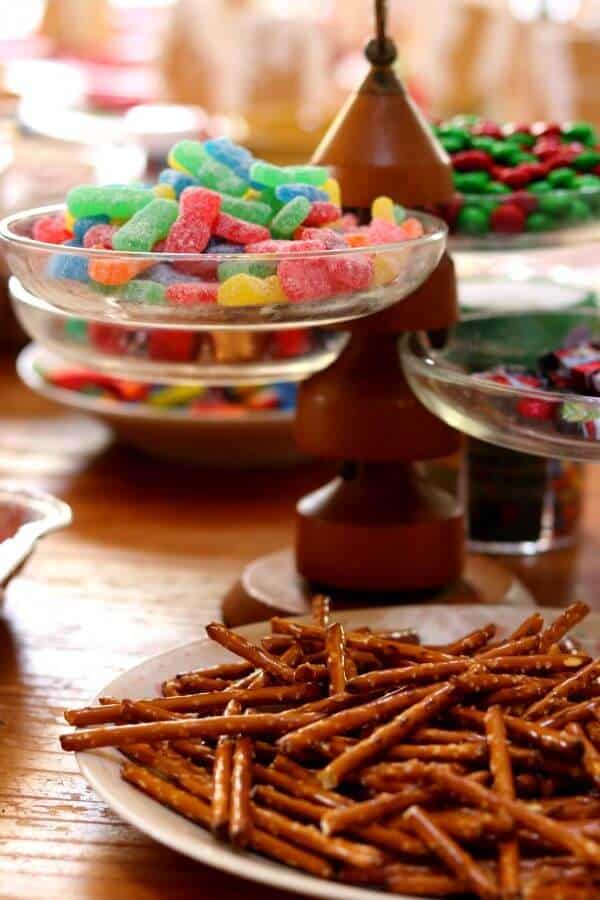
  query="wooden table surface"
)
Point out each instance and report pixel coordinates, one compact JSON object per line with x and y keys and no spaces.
{"x":141,"y":570}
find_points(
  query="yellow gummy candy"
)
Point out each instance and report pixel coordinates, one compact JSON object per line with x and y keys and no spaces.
{"x":275,"y":292}
{"x":247,"y":290}
{"x":69,"y":220}
{"x":383,"y":208}
{"x":164,"y":190}
{"x":332,"y":187}
{"x":386,"y":268}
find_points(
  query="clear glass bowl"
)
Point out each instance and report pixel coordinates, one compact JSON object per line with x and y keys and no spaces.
{"x":180,"y":353}
{"x":396,"y":271}
{"x":540,"y":422}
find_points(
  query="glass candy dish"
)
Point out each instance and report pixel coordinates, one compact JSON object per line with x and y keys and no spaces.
{"x":230,"y":438}
{"x":532,"y":420}
{"x":386,"y":274}
{"x":176,"y":354}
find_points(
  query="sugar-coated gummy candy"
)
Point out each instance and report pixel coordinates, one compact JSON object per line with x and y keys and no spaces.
{"x":322,"y":213}
{"x":315,"y":175}
{"x":271,"y":176}
{"x":139,"y":291}
{"x":164,"y":191}
{"x":239,"y":231}
{"x":287,"y":192}
{"x":76,"y":330}
{"x":148,"y":226}
{"x":382,"y":232}
{"x":188,"y":234}
{"x":352,"y":272}
{"x":179,"y":181}
{"x":172,"y":346}
{"x":291,"y":342}
{"x":100,"y":237}
{"x":290,"y":217}
{"x":333,"y":190}
{"x":329,"y":238}
{"x":115,"y":270}
{"x":234,"y":267}
{"x":214,"y":175}
{"x":114,"y":201}
{"x":192,"y":293}
{"x":224,"y":248}
{"x":383,"y":208}
{"x":305,"y":279}
{"x":187,"y":156}
{"x":385,"y":269}
{"x":249,"y":210}
{"x":83,"y":225}
{"x":399,"y":214}
{"x":232,"y":155}
{"x":69,"y":266}
{"x":109,"y":339}
{"x":51,"y":230}
{"x":247,"y":290}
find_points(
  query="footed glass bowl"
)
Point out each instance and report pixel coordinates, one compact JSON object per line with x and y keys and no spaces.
{"x":176,"y":354}
{"x":315,"y":287}
{"x":541,"y":422}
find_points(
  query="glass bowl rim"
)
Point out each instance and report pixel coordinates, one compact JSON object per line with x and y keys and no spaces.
{"x":439,"y":231}
{"x":440,"y":370}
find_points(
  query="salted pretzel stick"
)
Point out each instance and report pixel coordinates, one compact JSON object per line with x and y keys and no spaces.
{"x":521,"y":693}
{"x":423,"y":884}
{"x":467,"y":752}
{"x":256,"y":655}
{"x":500,"y":765}
{"x":225,"y":671}
{"x":221,"y":798}
{"x":429,"y":735}
{"x":364,"y":659}
{"x":532,"y":732}
{"x":188,"y":684}
{"x":391,"y":678}
{"x":211,"y":727}
{"x":564,"y":690}
{"x":240,"y":815}
{"x":575,"y":712}
{"x":387,"y":735}
{"x":320,"y":607}
{"x":308,"y":672}
{"x":452,"y":854}
{"x":471,"y":642}
{"x":533,"y":624}
{"x":590,"y":756}
{"x":512,"y":648}
{"x":335,"y":647}
{"x":553,"y":633}
{"x":541,"y":662}
{"x":349,"y":719}
{"x":577,"y":807}
{"x":360,"y":814}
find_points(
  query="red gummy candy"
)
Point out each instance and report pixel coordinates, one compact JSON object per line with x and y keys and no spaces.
{"x":269,"y":246}
{"x":508,"y":219}
{"x":531,"y":408}
{"x":51,"y":230}
{"x":382,"y":232}
{"x":350,"y":273}
{"x":188,"y":234}
{"x":322,"y":212}
{"x":525,"y":200}
{"x":347,"y":222}
{"x":173,"y":346}
{"x":487,"y":129}
{"x":201,"y":202}
{"x":239,"y":232}
{"x":292,"y":342}
{"x":521,"y":175}
{"x":472,"y":161}
{"x":108,"y":338}
{"x":192,"y":293}
{"x":99,"y":236}
{"x":305,"y":279}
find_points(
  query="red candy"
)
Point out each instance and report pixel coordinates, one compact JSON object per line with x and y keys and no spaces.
{"x":192,"y":293}
{"x":487,"y":129}
{"x":291,"y":342}
{"x":531,"y":408}
{"x":562,"y":157}
{"x":347,"y":222}
{"x":322,"y":212}
{"x":239,"y":232}
{"x":51,"y":230}
{"x":350,"y":273}
{"x":327,"y":236}
{"x":285,"y":246}
{"x":521,"y":175}
{"x":173,"y":346}
{"x":99,"y":236}
{"x":202,"y":203}
{"x":546,"y":147}
{"x":188,"y":234}
{"x":545,"y":129}
{"x":524,"y":200}
{"x":107,"y":338}
{"x":306,"y":279}
{"x":472,"y":160}
{"x":381,"y":232}
{"x":451,"y":209}
{"x":508,"y":219}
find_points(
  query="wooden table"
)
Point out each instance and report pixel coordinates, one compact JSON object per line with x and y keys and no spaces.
{"x":142,"y":569}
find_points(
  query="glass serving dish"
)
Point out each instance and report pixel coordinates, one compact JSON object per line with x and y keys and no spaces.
{"x":228,"y":438}
{"x":386,"y":274}
{"x":540,"y":422}
{"x":178,"y":353}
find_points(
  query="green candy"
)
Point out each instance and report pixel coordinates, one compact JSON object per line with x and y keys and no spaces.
{"x":271,"y":176}
{"x":456,"y":136}
{"x":496,"y":187}
{"x":471,"y":182}
{"x":235,"y":267}
{"x":523,"y":157}
{"x":138,"y":291}
{"x":522,"y":139}
{"x":587,"y":181}
{"x":399,"y":213}
{"x":539,"y":221}
{"x":482,"y":142}
{"x":451,"y":144}
{"x":578,"y":212}
{"x":582,"y":132}
{"x":505,"y":152}
{"x":541,"y":187}
{"x":248,"y":210}
{"x":217,"y":177}
{"x":556,"y":203}
{"x":473,"y":220}
{"x":269,"y":197}
{"x":587,"y":160}
{"x":188,"y":155}
{"x":290,"y":217}
{"x":76,"y":330}
{"x":562,"y":178}
{"x":114,"y":201}
{"x":315,"y":175}
{"x":150,"y":225}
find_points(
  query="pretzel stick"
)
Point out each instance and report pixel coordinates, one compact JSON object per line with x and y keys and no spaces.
{"x":444,"y":736}
{"x":386,"y":735}
{"x":578,"y":712}
{"x":468,"y":752}
{"x":360,"y":814}
{"x":578,"y":807}
{"x":287,"y":853}
{"x":240,"y":816}
{"x":349,"y":719}
{"x":308,"y":672}
{"x":472,"y":641}
{"x":532,"y":732}
{"x":256,"y":655}
{"x":562,"y":625}
{"x":221,"y":798}
{"x":512,"y":648}
{"x":425,"y":884}
{"x":533,"y":624}
{"x":335,"y":646}
{"x":520,"y":693}
{"x":320,"y":607}
{"x":226,"y":671}
{"x":391,"y":678}
{"x":500,"y":765}
{"x":452,"y":855}
{"x":590,"y":756}
{"x":564,"y":690}
{"x":536,"y":663}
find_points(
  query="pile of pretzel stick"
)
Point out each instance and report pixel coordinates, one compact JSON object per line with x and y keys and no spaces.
{"x":468,"y":769}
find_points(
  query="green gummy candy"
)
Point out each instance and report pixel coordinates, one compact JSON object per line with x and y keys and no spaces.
{"x":248,"y":210}
{"x":272,"y":176}
{"x":76,"y":330}
{"x":236,"y":267}
{"x":267,"y":174}
{"x":139,"y":291}
{"x":315,"y":175}
{"x":473,"y":220}
{"x":217,"y":177}
{"x":562,"y":178}
{"x":399,"y":213}
{"x":539,"y":221}
{"x":189,"y":155}
{"x":290,"y":217}
{"x":587,"y":160}
{"x":580,"y":131}
{"x":116,"y":201}
{"x":149,"y":225}
{"x":556,"y":203}
{"x":268,"y":196}
{"x":471,"y":182}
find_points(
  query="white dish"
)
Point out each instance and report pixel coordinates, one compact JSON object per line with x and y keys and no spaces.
{"x":436,"y":624}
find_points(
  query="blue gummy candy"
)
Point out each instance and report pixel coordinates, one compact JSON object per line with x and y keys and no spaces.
{"x":179,"y":181}
{"x":164,"y":273}
{"x":216,"y":246}
{"x":288,"y":393}
{"x":83,"y":225}
{"x":236,"y":158}
{"x":287,"y":192}
{"x":75,"y":268}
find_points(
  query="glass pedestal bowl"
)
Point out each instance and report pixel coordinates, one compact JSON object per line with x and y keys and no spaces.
{"x":540,"y":422}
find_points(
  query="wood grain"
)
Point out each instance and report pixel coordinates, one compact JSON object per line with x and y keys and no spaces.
{"x":143,"y":568}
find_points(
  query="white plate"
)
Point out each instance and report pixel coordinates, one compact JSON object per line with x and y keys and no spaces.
{"x":436,"y":624}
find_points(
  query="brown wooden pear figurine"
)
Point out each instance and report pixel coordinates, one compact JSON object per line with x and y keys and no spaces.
{"x":379,"y":525}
